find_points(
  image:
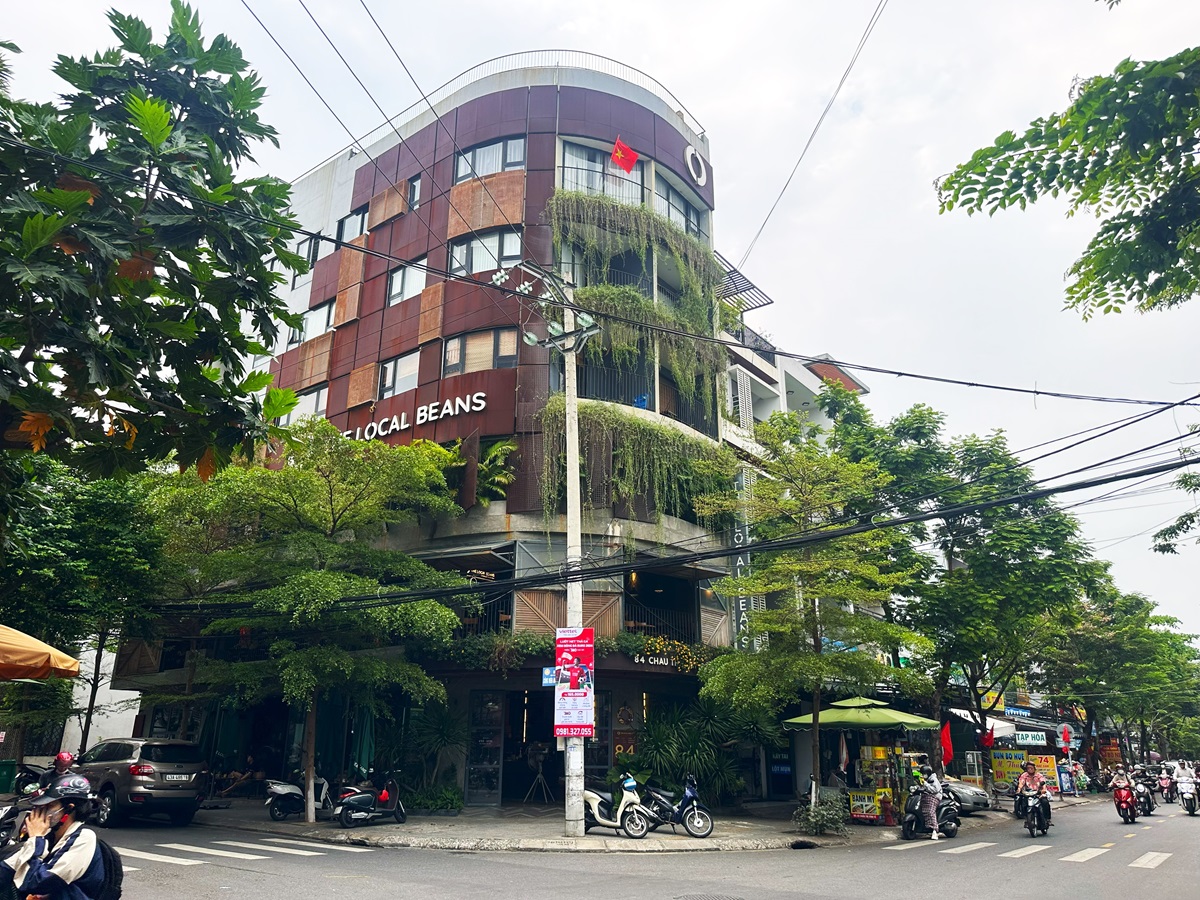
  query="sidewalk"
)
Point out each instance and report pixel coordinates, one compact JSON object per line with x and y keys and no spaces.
{"x":540,"y":829}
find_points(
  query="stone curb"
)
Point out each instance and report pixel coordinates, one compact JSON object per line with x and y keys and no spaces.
{"x":597,"y":844}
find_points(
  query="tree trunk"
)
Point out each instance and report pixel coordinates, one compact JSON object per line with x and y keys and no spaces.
{"x":1144,"y":749}
{"x":310,"y":761}
{"x":101,"y":641}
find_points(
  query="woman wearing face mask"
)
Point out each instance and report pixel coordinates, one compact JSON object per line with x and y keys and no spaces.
{"x":61,"y":859}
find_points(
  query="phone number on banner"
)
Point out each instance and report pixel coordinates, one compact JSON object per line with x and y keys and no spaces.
{"x":573,"y":730}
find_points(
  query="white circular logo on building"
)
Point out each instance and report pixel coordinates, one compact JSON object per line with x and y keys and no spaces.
{"x":695,"y":165}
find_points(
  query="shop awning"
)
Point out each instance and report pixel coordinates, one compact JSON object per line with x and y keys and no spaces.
{"x":1002,"y":727}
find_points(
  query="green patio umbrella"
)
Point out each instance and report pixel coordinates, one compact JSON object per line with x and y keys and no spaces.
{"x":863,"y":717}
{"x":858,"y":701}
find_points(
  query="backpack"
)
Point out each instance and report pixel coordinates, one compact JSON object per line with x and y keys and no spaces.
{"x":114,"y":872}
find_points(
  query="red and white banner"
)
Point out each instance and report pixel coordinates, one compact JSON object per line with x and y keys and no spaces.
{"x":574,"y":697}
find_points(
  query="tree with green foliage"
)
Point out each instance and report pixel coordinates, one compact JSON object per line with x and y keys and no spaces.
{"x":135,"y":266}
{"x":823,"y":628}
{"x":84,"y":572}
{"x":1127,"y":150}
{"x":284,"y":556}
{"x":993,"y":579}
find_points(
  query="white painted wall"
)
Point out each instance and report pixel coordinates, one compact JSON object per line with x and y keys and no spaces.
{"x":107,"y":721}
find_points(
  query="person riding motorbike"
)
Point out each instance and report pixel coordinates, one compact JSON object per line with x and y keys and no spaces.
{"x":931,"y":796}
{"x":61,"y":859}
{"x":1033,"y":780}
{"x":1120,"y":778}
{"x":62,"y":765}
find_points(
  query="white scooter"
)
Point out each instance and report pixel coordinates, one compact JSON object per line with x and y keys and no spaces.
{"x":285,"y":799}
{"x":1187,"y":795}
{"x":629,"y":816}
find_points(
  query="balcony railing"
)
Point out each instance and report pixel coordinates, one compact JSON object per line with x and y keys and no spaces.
{"x":604,"y":183}
{"x":755,"y":342}
{"x":582,"y":275}
{"x":677,"y":625}
{"x":492,"y":616}
{"x":690,"y":411}
{"x":629,"y":387}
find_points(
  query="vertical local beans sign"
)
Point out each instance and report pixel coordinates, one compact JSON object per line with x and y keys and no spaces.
{"x":574,"y":688}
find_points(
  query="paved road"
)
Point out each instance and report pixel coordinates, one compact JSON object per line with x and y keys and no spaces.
{"x":1090,"y":853}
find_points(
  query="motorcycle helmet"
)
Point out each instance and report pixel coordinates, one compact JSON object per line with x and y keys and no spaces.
{"x":926,"y":771}
{"x":66,"y":758}
{"x":72,"y":790}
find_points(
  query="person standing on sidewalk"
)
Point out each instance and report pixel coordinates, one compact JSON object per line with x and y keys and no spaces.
{"x":931,"y":796}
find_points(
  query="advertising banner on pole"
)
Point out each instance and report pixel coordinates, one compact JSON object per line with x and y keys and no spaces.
{"x":574,"y":697}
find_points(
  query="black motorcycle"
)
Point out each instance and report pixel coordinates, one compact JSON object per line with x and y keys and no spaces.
{"x":914,"y":822}
{"x":689,"y":812}
{"x":1144,"y":795}
{"x":1037,"y":812}
{"x":28,"y":775}
{"x":369,"y":805}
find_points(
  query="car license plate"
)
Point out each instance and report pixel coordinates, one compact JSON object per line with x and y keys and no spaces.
{"x":177,"y":777}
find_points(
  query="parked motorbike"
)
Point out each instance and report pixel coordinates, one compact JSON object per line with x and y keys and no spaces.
{"x":629,"y":815}
{"x":1036,"y":813}
{"x":365,"y":805}
{"x":689,"y":812}
{"x":1166,"y":786}
{"x":1125,"y":802}
{"x":1187,"y":795}
{"x":28,"y":774}
{"x":914,"y":823}
{"x":286,"y":798}
{"x":1145,"y":798}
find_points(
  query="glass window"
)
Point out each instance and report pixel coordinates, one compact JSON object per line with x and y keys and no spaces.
{"x":398,"y":375}
{"x":497,"y":250}
{"x":480,"y":350}
{"x":414,"y":192}
{"x":592,"y":171}
{"x":310,"y":249}
{"x":487,"y":159}
{"x":310,"y":403}
{"x":172,"y":753}
{"x":352,"y":225}
{"x":671,"y":204}
{"x":406,"y":281}
{"x":316,"y":322}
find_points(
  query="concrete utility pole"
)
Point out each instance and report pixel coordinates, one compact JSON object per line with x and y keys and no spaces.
{"x":568,"y":339}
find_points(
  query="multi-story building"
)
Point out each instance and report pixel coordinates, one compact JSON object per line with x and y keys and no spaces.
{"x":412,"y":340}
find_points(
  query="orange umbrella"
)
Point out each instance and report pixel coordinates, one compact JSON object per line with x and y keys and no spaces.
{"x":24,"y":657}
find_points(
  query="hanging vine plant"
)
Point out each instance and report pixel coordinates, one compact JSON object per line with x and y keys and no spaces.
{"x":650,"y":462}
{"x":690,"y":362}
{"x":603,"y":228}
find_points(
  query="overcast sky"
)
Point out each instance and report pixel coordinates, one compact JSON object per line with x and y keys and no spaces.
{"x":857,"y":259}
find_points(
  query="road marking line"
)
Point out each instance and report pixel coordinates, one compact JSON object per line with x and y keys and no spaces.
{"x":968,"y":848}
{"x":1172,"y":815}
{"x":287,"y":850}
{"x":1108,"y":845}
{"x":158,"y":857}
{"x":1147,"y":827}
{"x":327,"y":846}
{"x":211,"y":851}
{"x":1150,"y":861}
{"x":1083,"y":855}
{"x":129,"y":869}
{"x":1024,"y":851}
{"x":911,"y":845}
{"x":1131,"y":835}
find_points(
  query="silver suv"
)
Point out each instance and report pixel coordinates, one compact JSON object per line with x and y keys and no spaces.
{"x":141,"y":776}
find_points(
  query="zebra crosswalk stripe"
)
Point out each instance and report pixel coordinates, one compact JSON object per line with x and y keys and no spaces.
{"x":1084,"y":855}
{"x":911,"y":845}
{"x":130,"y":869}
{"x":289,"y":850}
{"x":315,"y":846}
{"x":211,"y":851}
{"x":968,"y":848}
{"x":1150,"y":861}
{"x":1027,"y":850}
{"x":158,"y":857}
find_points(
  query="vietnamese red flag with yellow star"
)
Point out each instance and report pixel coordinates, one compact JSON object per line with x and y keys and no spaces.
{"x":624,"y":156}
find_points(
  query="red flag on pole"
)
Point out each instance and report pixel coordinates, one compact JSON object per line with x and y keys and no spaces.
{"x":989,"y":739}
{"x":623,"y":155}
{"x":947,"y":746}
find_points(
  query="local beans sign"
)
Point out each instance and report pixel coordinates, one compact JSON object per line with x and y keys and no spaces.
{"x":429,"y":412}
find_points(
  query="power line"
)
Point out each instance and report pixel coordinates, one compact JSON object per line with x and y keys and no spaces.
{"x":793,"y":541}
{"x":449,"y":276}
{"x":862,"y":42}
